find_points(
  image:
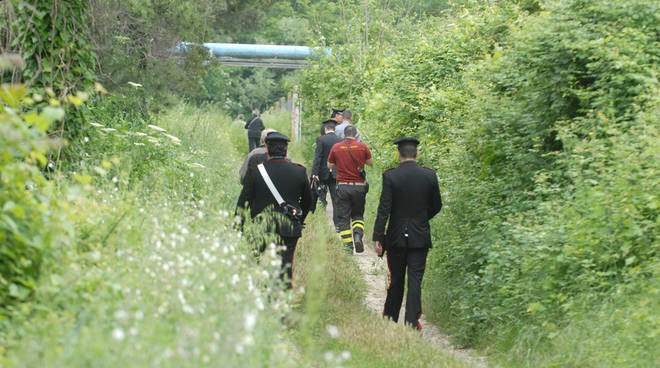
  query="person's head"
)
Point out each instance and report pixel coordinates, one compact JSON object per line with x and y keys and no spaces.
{"x":264,"y":133}
{"x":329,"y":126}
{"x":337,"y":115}
{"x":241,"y":117}
{"x":276,"y":144}
{"x":255,"y":112}
{"x":407,"y":148}
{"x":350,"y":132}
{"x":348,"y":115}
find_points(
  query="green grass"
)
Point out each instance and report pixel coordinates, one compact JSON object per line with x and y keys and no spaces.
{"x":334,"y":296}
{"x":159,"y":278}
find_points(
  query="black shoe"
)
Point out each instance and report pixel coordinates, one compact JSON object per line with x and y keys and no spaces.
{"x":357,"y":240}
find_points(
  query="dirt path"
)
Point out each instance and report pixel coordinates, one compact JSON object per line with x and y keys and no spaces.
{"x":374,"y":270}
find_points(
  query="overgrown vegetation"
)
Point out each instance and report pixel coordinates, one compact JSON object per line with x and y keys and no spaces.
{"x":543,"y":128}
{"x":157,"y":277}
{"x":541,"y":119}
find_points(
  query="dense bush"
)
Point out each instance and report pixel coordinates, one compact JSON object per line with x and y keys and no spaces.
{"x":34,"y":218}
{"x":544,"y":130}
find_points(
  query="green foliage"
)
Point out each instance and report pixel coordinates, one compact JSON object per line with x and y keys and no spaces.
{"x":34,"y":218}
{"x":52,"y":38}
{"x":159,"y":277}
{"x":543,"y":130}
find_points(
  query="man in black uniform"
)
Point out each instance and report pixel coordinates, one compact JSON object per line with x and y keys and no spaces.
{"x":410,"y":198}
{"x":290,"y":180}
{"x":337,"y":116}
{"x":320,"y":169}
{"x":254,"y":125}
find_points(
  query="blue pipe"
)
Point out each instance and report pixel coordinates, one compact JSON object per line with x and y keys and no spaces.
{"x":260,"y":51}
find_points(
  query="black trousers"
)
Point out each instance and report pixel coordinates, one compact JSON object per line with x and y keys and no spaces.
{"x":287,"y":254}
{"x":349,"y":210}
{"x":332,"y":188}
{"x":398,"y":260}
{"x":253,"y":143}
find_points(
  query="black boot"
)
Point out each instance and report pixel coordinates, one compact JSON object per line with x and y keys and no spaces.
{"x":357,"y":240}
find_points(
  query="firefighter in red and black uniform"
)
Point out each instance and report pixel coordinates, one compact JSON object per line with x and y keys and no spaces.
{"x":349,"y":157}
{"x":410,"y":198}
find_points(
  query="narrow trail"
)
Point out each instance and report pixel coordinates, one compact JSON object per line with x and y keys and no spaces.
{"x":375,"y":273}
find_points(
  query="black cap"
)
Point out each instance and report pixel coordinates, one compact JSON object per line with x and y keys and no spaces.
{"x":276,"y":137}
{"x":404,"y":140}
{"x":329,"y":121}
{"x":336,"y":111}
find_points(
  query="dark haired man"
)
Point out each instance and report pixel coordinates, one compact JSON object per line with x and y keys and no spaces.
{"x":410,"y":198}
{"x":290,"y":181}
{"x":320,"y":170}
{"x":337,"y":115}
{"x":349,"y":157}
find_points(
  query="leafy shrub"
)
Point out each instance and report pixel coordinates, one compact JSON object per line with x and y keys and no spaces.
{"x":34,"y":220}
{"x":543,"y":130}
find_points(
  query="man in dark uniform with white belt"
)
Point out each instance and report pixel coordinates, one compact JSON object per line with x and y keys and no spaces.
{"x":410,"y":198}
{"x":290,"y":180}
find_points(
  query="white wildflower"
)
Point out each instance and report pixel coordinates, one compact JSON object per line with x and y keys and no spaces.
{"x":118,"y":334}
{"x":259,"y":304}
{"x":120,"y":315}
{"x":239,"y":349}
{"x":173,"y":138}
{"x":333,"y":331}
{"x":86,"y":139}
{"x":188,"y":309}
{"x":345,"y":355}
{"x":248,"y":340}
{"x":156,"y":128}
{"x":235,"y":279}
{"x":250,"y":321}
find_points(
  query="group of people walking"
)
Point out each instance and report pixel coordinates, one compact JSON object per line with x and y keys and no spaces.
{"x":278,"y":189}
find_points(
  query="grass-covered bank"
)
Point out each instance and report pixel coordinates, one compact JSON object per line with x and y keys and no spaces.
{"x":334,"y":325}
{"x":154,"y":276}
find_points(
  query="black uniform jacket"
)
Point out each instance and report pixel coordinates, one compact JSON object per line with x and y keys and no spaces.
{"x":324,"y":144}
{"x":410,"y":198}
{"x":254,"y":125}
{"x":291,"y":181}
